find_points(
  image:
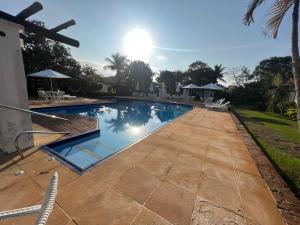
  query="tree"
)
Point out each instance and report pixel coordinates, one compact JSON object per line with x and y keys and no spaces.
{"x":279,"y":94}
{"x":200,"y":73}
{"x":275,"y":17}
{"x":117,"y":63}
{"x":219,"y":72}
{"x":89,"y":72}
{"x":267,"y":69}
{"x":241,"y":75}
{"x":140,"y":72}
{"x":169,"y":78}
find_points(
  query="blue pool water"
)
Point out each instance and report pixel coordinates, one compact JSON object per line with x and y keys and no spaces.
{"x":121,"y":123}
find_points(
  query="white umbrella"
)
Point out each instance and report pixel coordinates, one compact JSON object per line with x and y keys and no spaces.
{"x":187,"y":88}
{"x":137,"y":88}
{"x":212,"y":86}
{"x":191,"y":86}
{"x":151,"y":87}
{"x":51,"y":74}
{"x":177,"y":88}
{"x":163,"y":88}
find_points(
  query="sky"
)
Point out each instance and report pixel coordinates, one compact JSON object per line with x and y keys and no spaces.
{"x":181,"y":32}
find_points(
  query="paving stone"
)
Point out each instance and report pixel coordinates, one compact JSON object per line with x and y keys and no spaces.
{"x":261,"y":209}
{"x":219,"y":172}
{"x":137,"y":184}
{"x":80,"y":193}
{"x":156,"y":164}
{"x":38,"y":165}
{"x":8,"y":177}
{"x":19,"y":195}
{"x":187,"y":177}
{"x":111,"y":207}
{"x":172,"y":203}
{"x":220,"y":193}
{"x":252,"y":183}
{"x":65,"y":176}
{"x":147,"y":217}
{"x":208,"y":214}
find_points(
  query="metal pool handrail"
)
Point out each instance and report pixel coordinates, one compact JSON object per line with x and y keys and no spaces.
{"x":35,"y":113}
{"x":33,"y":132}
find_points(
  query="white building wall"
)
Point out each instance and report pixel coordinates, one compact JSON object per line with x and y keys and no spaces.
{"x":13,"y":89}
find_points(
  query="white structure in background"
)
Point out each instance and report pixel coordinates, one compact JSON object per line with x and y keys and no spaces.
{"x":49,"y":74}
{"x":13,"y":89}
{"x":162,"y":92}
{"x":107,"y":88}
{"x":137,"y":88}
{"x":177,"y":88}
{"x":151,"y":87}
{"x":186,"y":91}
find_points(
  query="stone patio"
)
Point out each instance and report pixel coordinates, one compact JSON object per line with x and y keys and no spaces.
{"x":196,"y":170}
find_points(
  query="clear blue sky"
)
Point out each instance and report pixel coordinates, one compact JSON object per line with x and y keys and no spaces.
{"x":211,"y":30}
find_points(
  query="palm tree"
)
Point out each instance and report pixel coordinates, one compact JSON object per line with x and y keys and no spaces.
{"x":279,"y":93}
{"x":275,"y":16}
{"x":219,"y":71}
{"x":117,"y":63}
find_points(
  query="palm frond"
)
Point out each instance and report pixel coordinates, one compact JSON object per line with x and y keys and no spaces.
{"x":253,"y":4}
{"x":276,"y":15}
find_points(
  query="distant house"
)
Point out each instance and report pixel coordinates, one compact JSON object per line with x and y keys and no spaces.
{"x":104,"y":87}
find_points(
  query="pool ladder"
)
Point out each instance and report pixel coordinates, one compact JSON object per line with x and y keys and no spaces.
{"x":31,"y":131}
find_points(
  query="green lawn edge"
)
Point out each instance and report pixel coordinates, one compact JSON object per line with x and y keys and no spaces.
{"x":271,"y":152}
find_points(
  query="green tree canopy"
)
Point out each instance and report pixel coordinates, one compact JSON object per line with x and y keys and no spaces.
{"x":169,"y":78}
{"x":139,"y":72}
{"x":119,"y":64}
{"x":267,"y":69}
{"x":42,"y":53}
{"x":200,"y":73}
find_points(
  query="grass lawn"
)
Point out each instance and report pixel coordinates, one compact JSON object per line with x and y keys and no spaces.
{"x":284,"y":127}
{"x":287,"y":164}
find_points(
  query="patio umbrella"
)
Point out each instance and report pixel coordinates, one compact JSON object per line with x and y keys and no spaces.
{"x":191,"y":86}
{"x":187,"y":88}
{"x":212,"y":86}
{"x":177,"y":88}
{"x":151,"y":87}
{"x":51,"y":74}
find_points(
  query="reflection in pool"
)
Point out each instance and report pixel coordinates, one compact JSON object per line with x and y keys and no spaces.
{"x":121,"y":123}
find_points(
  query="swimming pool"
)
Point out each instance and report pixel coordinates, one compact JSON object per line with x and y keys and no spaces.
{"x":122,"y":123}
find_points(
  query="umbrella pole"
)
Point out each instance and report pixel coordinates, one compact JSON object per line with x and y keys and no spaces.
{"x":51,"y":84}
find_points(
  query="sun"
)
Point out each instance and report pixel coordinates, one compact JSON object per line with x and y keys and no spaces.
{"x":138,"y":45}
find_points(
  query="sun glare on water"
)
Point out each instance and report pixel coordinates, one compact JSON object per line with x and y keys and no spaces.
{"x":138,"y":45}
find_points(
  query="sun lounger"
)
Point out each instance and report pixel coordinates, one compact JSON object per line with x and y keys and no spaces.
{"x":217,"y":106}
{"x":70,"y":97}
{"x":43,"y":211}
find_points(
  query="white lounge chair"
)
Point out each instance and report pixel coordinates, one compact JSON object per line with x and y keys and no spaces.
{"x":43,"y":95}
{"x":69,"y":97}
{"x":218,"y":106}
{"x":43,"y":211}
{"x":217,"y":103}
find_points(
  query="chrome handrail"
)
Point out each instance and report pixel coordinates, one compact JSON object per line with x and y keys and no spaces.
{"x":33,"y":132}
{"x":33,"y":112}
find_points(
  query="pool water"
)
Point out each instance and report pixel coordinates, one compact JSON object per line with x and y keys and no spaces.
{"x":121,"y":123}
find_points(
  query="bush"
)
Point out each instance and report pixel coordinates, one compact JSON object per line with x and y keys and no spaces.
{"x":291,"y":112}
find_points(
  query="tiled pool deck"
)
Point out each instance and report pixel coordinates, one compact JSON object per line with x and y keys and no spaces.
{"x":195,"y":170}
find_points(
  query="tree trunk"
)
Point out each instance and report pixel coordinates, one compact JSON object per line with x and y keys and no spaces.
{"x":295,"y":57}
